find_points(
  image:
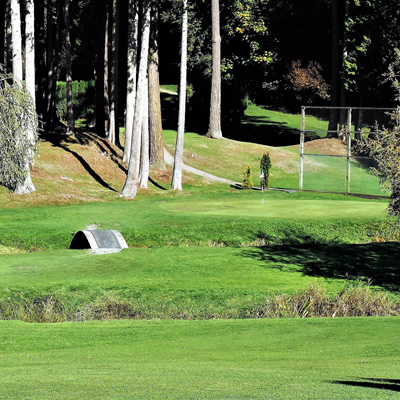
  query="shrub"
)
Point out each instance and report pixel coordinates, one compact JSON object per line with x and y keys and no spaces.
{"x":265,"y":166}
{"x":247,"y":182}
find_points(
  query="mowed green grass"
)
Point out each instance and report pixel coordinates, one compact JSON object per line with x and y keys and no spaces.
{"x":320,"y":173}
{"x":220,"y":216}
{"x":349,"y":358}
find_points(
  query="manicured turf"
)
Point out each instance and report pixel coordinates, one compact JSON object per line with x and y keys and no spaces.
{"x":216,"y":217}
{"x":352,"y":358}
{"x":320,"y":173}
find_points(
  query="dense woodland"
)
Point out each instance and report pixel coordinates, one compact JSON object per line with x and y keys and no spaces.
{"x":278,"y":54}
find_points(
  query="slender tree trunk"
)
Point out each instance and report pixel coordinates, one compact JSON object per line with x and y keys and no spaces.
{"x":132,"y":178}
{"x":27,"y":186}
{"x":2,"y":30}
{"x":113,"y":132}
{"x":333,"y":117}
{"x":16,"y":41}
{"x":106,"y":74}
{"x":101,"y":43}
{"x":214,"y":129}
{"x":178,"y":159}
{"x":9,"y":50}
{"x":156,"y":138}
{"x":68,"y":69}
{"x":144,"y":153}
{"x":133,"y":23}
{"x":40,"y":45}
{"x":343,"y":113}
{"x":53,"y":45}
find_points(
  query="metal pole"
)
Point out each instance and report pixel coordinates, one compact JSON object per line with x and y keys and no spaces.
{"x":348,"y":137}
{"x":302,"y":138}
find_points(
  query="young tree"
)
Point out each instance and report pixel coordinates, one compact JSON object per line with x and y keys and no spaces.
{"x":133,"y":24}
{"x":265,"y":167}
{"x":130,"y":188}
{"x":178,"y":159}
{"x":214,"y":129}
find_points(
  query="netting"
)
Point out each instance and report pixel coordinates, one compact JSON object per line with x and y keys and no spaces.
{"x":328,"y":161}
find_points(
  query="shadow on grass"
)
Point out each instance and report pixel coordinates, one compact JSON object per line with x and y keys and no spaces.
{"x":251,"y":129}
{"x":85,"y":138}
{"x":383,"y":384}
{"x":376,"y":261}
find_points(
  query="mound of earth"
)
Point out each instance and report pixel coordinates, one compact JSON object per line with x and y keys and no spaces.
{"x":326,"y":146}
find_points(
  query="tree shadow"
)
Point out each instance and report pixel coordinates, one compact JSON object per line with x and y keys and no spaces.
{"x":373,"y":383}
{"x":376,"y":261}
{"x":252,"y":129}
{"x":60,"y":140}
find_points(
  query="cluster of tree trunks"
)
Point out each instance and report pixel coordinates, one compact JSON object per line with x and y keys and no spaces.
{"x":48,"y":57}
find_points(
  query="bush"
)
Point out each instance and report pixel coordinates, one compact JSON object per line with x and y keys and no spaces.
{"x":265,"y":166}
{"x":247,"y":182}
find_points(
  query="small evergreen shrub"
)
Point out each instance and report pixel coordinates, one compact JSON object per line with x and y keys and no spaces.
{"x":265,"y":166}
{"x":247,"y":182}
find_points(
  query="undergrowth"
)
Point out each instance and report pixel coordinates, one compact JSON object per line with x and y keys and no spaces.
{"x":355,"y":299}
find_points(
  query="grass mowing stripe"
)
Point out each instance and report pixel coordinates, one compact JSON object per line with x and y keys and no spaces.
{"x":277,"y":359}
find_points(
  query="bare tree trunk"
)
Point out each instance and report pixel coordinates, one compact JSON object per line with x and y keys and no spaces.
{"x":333,"y":116}
{"x":343,"y":113}
{"x":156,"y":138}
{"x":9,"y":55}
{"x":178,"y":159}
{"x":106,"y":75}
{"x":101,"y":70}
{"x":26,"y":186}
{"x":144,"y":154}
{"x":40,"y":45}
{"x":16,"y":41}
{"x":214,"y":129}
{"x":68,"y":69}
{"x":133,"y":23}
{"x":132,"y":179}
{"x":113,"y":132}
{"x":3,"y":14}
{"x":53,"y":44}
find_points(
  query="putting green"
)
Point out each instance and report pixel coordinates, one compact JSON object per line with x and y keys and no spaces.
{"x":282,"y":208}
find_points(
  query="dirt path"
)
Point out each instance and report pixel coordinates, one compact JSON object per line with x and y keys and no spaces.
{"x":169,"y":160}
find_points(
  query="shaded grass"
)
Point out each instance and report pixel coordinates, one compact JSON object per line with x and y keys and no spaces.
{"x":198,"y":282}
{"x":278,"y":359}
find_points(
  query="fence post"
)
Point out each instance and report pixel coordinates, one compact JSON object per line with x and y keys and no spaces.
{"x":302,"y":138}
{"x":348,"y":138}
